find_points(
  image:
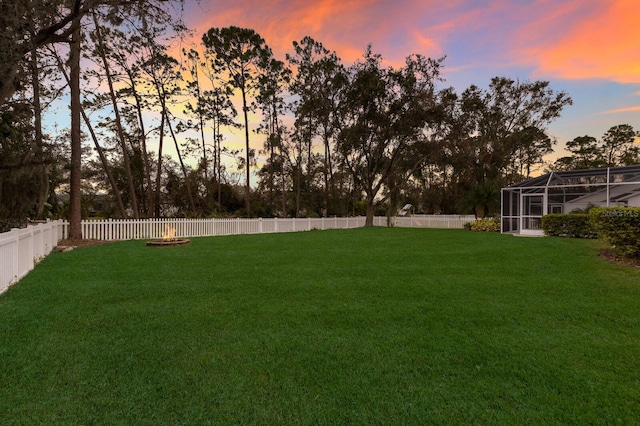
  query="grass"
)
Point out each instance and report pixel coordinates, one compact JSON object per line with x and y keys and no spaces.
{"x":365,"y":326}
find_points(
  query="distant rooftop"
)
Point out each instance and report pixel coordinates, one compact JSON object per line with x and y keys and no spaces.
{"x":623,"y":174}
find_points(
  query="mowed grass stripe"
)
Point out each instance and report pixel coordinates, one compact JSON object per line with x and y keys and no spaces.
{"x":365,"y":326}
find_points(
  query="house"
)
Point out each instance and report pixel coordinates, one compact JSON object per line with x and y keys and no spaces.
{"x":524,"y":204}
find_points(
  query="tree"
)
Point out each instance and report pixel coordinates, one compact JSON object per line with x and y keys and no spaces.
{"x":101,"y":152}
{"x":243,"y":55}
{"x":75,"y":212}
{"x":617,"y":148}
{"x":618,"y":145}
{"x":101,"y":52}
{"x":38,"y":135}
{"x":585,"y":154}
{"x":273,"y":84}
{"x":385,"y":114}
{"x":215,"y":110}
{"x":496,"y":136}
{"x":161,"y":69}
{"x":319,"y":78}
{"x":31,"y":24}
{"x":28,"y":25}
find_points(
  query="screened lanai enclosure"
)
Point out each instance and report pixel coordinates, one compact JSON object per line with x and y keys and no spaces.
{"x":524,"y":204}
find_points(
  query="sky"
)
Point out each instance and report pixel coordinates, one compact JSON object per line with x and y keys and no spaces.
{"x":589,"y":49}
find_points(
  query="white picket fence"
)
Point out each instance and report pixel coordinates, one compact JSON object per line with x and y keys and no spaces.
{"x":143,"y":229}
{"x":429,"y":221}
{"x":21,"y":249}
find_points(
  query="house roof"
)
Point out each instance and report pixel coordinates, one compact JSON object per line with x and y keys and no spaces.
{"x":611,"y":175}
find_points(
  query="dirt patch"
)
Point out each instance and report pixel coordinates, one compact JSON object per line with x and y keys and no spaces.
{"x":82,"y":243}
{"x":612,"y":257}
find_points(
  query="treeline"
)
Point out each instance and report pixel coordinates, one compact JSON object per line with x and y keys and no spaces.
{"x":334,"y":138}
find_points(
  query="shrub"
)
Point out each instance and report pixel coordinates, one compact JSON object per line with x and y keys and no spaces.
{"x":489,"y":224}
{"x":568,"y":225}
{"x":619,"y":227}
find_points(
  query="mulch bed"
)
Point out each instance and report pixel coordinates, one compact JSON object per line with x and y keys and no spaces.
{"x":612,"y":257}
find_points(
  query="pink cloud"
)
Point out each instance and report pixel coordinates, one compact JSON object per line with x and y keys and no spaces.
{"x":586,"y":40}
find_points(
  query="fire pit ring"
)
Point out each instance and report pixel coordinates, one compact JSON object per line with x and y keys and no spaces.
{"x":168,"y":239}
{"x":167,"y":243}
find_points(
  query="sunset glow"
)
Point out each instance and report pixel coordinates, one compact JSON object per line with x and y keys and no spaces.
{"x":588,"y":48}
{"x":556,"y":40}
{"x":603,"y":45}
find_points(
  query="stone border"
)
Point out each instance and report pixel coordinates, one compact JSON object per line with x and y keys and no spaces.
{"x":167,"y":243}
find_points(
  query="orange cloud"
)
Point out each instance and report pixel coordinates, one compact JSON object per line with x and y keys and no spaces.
{"x":393,"y":28}
{"x":282,"y":22}
{"x":599,"y":44}
{"x":621,"y":110}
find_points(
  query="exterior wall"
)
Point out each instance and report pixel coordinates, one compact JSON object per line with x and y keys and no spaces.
{"x":634,"y":201}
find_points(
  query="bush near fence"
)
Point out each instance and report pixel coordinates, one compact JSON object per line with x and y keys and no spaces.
{"x":488,"y":224}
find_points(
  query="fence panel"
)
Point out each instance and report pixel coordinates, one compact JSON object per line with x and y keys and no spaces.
{"x":21,"y":249}
{"x":140,"y":229}
{"x":8,"y":259}
{"x":433,"y":221}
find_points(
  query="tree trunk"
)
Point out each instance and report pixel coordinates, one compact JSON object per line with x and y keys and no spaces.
{"x":283,"y":181}
{"x":298,"y":185}
{"x":75,"y":210}
{"x":155,"y":202}
{"x":370,"y":212}
{"x":217,"y":161}
{"x":328,"y":175}
{"x":248,"y":156}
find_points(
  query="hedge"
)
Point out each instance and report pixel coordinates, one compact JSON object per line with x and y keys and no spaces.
{"x":619,"y":227}
{"x":574,"y":225}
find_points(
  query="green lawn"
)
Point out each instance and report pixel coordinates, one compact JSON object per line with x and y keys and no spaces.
{"x":366,"y":326}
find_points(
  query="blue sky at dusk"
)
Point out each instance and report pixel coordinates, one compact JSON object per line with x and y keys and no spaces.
{"x":587,"y":48}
